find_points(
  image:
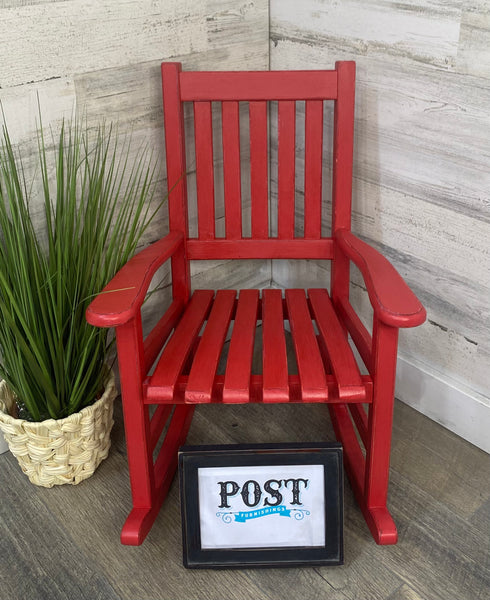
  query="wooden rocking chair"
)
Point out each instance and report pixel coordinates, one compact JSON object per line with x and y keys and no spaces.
{"x":185,"y":374}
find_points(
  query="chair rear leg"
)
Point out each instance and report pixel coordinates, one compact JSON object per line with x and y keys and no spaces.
{"x":380,"y":421}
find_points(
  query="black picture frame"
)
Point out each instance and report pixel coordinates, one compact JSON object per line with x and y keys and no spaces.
{"x":329,"y":455}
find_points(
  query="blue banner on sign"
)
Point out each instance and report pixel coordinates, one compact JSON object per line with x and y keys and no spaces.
{"x":241,"y":517}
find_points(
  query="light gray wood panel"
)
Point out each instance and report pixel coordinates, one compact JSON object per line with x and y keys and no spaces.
{"x":46,"y":39}
{"x":230,"y":274}
{"x":430,"y":137}
{"x":19,"y":3}
{"x":473,"y":57}
{"x":424,"y":31}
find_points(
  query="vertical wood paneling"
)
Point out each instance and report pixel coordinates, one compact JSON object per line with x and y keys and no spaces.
{"x":232,"y":169}
{"x":203,"y":130}
{"x":286,"y":156}
{"x":258,"y":169}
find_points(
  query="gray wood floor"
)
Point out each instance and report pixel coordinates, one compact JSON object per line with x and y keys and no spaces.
{"x":64,"y":542}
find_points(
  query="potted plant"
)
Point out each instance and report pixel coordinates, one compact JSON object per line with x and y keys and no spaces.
{"x":56,"y":254}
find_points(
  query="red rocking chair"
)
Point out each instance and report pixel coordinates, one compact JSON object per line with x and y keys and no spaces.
{"x":185,"y":374}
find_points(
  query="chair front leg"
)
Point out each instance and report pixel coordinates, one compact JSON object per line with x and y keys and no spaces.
{"x":385,"y":342}
{"x":129,"y":338}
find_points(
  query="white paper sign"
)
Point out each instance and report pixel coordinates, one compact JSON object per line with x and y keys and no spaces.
{"x":262,"y":506}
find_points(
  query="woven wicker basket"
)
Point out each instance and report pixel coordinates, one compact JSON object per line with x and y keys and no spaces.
{"x":58,"y":451}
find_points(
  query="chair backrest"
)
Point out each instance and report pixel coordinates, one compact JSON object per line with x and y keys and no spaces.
{"x":258,"y":89}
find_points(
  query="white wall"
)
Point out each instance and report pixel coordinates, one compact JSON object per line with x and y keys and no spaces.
{"x":422,"y":175}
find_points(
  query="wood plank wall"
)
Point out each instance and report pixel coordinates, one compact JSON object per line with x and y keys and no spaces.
{"x":103,"y":58}
{"x":422,"y":158}
{"x":422,"y":161}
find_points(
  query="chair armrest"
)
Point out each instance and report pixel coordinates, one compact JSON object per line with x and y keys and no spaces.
{"x":393,"y":301}
{"x":123,"y":296}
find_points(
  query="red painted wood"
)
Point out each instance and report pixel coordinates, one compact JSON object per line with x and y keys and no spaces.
{"x":140,"y":520}
{"x":158,"y":335}
{"x":166,"y":462}
{"x":308,"y":359}
{"x":236,"y":387}
{"x":248,"y":248}
{"x":343,"y":145}
{"x":359,"y":416}
{"x":358,"y":333}
{"x":353,"y":457}
{"x":286,"y":156}
{"x":385,"y":340}
{"x":169,"y":367}
{"x":176,"y":173}
{"x":274,"y":357}
{"x":203,"y":135}
{"x":124,"y":295}
{"x":313,"y":168}
{"x":259,"y":177}
{"x":232,"y":169}
{"x":342,"y":171}
{"x":393,"y":301}
{"x":255,"y":85}
{"x":158,"y":422}
{"x":378,"y":519}
{"x":342,"y":387}
{"x":256,"y":388}
{"x":203,"y":371}
{"x":129,"y":338}
{"x":340,"y":355}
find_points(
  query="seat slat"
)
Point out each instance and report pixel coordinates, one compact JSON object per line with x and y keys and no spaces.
{"x":231,"y":169}
{"x":344,"y":366}
{"x":286,"y":168}
{"x":169,"y":367}
{"x":203,"y":371}
{"x":239,"y":365}
{"x":258,"y":169}
{"x":203,"y":132}
{"x":310,"y":365}
{"x":313,"y":168}
{"x":274,"y":357}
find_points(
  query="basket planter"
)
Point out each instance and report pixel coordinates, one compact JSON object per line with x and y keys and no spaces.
{"x":58,"y":451}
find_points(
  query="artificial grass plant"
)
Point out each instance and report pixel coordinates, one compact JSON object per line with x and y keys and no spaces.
{"x":95,"y":208}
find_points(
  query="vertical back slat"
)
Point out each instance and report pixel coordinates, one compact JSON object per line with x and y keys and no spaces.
{"x":286,"y":168}
{"x":231,"y":169}
{"x":313,"y":168}
{"x":203,"y":134}
{"x":258,"y":169}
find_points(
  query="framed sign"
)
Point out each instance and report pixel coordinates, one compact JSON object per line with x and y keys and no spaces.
{"x":262,"y":505}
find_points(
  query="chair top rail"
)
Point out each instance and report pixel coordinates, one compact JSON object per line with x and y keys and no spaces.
{"x":257,"y":85}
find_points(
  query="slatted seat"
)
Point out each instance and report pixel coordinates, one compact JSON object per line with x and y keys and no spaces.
{"x":176,"y":366}
{"x":172,"y":383}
